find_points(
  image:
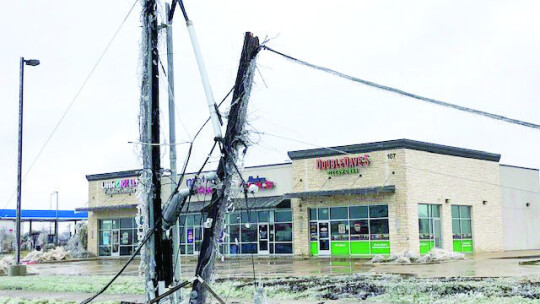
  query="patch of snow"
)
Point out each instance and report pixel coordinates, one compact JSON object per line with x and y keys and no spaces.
{"x":379,"y":258}
{"x":408,"y":257}
{"x":5,"y":262}
{"x":56,"y":254}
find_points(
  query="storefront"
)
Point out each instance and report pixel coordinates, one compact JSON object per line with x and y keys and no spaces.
{"x":262,"y":232}
{"x":357,"y":200}
{"x":354,"y":230}
{"x":117,"y":236}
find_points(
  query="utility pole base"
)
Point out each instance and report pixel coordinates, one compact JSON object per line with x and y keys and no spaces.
{"x":17,"y":270}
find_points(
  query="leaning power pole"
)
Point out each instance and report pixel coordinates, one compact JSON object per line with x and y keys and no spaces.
{"x":158,"y":251}
{"x":233,"y":150}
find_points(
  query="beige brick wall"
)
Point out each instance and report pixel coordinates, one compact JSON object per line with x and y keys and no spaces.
{"x":98,"y":198}
{"x":419,"y":177}
{"x":93,"y":229}
{"x":434,"y":178}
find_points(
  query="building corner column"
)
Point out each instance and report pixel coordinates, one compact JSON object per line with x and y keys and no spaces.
{"x":300,"y":227}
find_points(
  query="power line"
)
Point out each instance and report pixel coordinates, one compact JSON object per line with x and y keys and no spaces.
{"x":141,"y":244}
{"x":407,"y":94}
{"x":75,"y":98}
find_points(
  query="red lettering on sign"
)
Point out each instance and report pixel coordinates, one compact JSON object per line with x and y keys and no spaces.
{"x":345,"y":162}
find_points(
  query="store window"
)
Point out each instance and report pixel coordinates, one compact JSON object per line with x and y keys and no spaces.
{"x":353,"y":230}
{"x":462,"y":228}
{"x":429,"y":227}
{"x":358,"y":212}
{"x":359,"y":230}
{"x":245,"y":232}
{"x":339,"y":230}
{"x":117,"y":237}
{"x":283,"y":232}
{"x":339,"y":213}
{"x":283,"y":216}
{"x":323,"y":214}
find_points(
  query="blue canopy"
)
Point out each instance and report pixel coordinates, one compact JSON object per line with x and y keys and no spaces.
{"x":63,"y":215}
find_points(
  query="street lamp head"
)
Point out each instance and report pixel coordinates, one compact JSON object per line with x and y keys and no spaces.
{"x":32,"y":62}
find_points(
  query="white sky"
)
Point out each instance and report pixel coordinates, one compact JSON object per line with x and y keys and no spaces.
{"x":480,"y":54}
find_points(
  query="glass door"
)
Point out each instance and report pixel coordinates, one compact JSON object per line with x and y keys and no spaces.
{"x":324,"y":238}
{"x":190,"y":240}
{"x":115,"y":242}
{"x":263,"y":239}
{"x":429,"y":224}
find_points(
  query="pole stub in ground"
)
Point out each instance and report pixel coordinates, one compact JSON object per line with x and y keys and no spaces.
{"x":17,"y":270}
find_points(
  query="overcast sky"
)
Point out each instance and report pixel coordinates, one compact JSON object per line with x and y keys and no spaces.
{"x":480,"y":54}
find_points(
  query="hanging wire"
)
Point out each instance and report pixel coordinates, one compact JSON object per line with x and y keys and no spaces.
{"x":74,"y":99}
{"x":141,"y":244}
{"x":407,"y":94}
{"x":244,"y":186}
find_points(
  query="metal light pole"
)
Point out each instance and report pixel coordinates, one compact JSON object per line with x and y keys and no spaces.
{"x":30,"y":62}
{"x":172,"y":139}
{"x":56,"y":222}
{"x":50,"y":208}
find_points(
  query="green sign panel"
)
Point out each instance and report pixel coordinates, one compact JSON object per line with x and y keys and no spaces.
{"x":339,"y":248}
{"x":457,"y":246}
{"x":425,"y":246}
{"x":463,"y":245}
{"x":467,"y":245}
{"x":314,"y":248}
{"x":380,"y":247}
{"x":361,"y":247}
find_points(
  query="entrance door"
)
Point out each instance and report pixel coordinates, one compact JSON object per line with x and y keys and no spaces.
{"x":324,"y":238}
{"x":263,"y":238}
{"x":115,"y":242}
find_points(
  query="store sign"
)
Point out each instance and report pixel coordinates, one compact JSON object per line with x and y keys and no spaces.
{"x":344,"y":165}
{"x":200,"y":186}
{"x":260,"y":182}
{"x":120,"y":186}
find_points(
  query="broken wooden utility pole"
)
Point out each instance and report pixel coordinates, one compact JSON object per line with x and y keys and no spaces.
{"x":234,"y":145}
{"x":158,"y":251}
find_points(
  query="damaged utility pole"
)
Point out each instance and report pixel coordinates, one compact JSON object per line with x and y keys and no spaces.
{"x":157,"y":255}
{"x":234,"y":147}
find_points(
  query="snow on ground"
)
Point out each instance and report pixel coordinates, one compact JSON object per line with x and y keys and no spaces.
{"x":310,"y":289}
{"x":392,"y":289}
{"x":436,"y":255}
{"x":46,"y":301}
{"x":56,"y":254}
{"x":123,"y":285}
{"x":4,"y":264}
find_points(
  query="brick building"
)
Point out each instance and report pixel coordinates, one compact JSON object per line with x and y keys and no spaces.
{"x":359,"y":200}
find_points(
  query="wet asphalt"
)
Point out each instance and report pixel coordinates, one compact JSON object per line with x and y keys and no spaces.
{"x":505,"y":264}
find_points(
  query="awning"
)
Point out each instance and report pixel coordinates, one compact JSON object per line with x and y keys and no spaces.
{"x":107,"y":208}
{"x":254,"y":203}
{"x":355,"y":191}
